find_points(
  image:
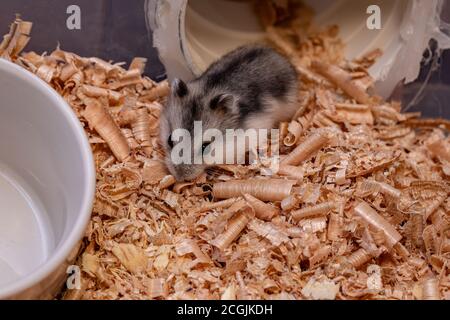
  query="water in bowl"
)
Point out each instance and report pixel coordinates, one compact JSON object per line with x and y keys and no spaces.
{"x":25,"y":233}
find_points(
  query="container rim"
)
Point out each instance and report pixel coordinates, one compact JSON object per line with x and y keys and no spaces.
{"x":76,"y":234}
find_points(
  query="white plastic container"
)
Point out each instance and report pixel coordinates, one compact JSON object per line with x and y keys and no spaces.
{"x":47,"y":186}
{"x":191,"y":34}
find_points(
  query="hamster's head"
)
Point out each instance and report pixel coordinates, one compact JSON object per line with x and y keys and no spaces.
{"x":187,"y":121}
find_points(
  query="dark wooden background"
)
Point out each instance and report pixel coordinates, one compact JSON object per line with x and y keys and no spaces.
{"x":116,"y":30}
{"x":111,"y":29}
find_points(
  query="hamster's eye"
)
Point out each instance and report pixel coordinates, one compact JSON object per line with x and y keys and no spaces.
{"x":204,"y":146}
{"x":170,"y":142}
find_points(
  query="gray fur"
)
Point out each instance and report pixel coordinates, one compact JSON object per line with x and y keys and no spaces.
{"x":251,"y":87}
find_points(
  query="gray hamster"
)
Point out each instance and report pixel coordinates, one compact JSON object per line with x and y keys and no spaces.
{"x":252,"y":87}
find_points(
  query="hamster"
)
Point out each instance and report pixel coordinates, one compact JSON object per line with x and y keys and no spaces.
{"x":252,"y":87}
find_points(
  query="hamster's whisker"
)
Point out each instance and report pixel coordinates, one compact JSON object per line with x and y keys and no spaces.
{"x":214,"y":172}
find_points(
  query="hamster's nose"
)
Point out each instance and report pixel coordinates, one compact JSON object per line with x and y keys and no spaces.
{"x":180,"y":174}
{"x":187,"y":173}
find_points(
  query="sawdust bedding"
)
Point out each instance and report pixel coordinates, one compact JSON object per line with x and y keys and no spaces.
{"x":359,"y":208}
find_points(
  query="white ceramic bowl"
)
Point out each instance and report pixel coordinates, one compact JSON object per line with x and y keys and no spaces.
{"x":47,"y":186}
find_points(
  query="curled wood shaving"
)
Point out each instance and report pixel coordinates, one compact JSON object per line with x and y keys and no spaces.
{"x":154,"y":171}
{"x":417,"y":225}
{"x":265,"y":190}
{"x":101,"y":120}
{"x":167,"y":182}
{"x":17,"y":39}
{"x":306,"y":149}
{"x":295,"y":129}
{"x":359,"y":258}
{"x":233,"y":230}
{"x":294,"y":172}
{"x":269,"y":231}
{"x":343,"y":80}
{"x":314,"y":225}
{"x":289,"y":203}
{"x":335,"y":227}
{"x":430,"y":239}
{"x":320,"y":209}
{"x":216,"y":205}
{"x":365,"y":211}
{"x":97,"y":92}
{"x":263,"y":211}
{"x":187,"y":246}
{"x":138,"y":64}
{"x":389,"y":190}
{"x":161,"y":90}
{"x":430,"y":289}
{"x":141,"y":130}
{"x":354,"y":114}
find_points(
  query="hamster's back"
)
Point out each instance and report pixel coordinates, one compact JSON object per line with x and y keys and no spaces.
{"x":253,"y":73}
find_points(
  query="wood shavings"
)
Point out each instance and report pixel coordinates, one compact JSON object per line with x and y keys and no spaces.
{"x":91,"y":265}
{"x":341,"y":176}
{"x":269,"y":231}
{"x":440,"y":149}
{"x":374,"y":281}
{"x":233,"y":230}
{"x":96,"y":92}
{"x":359,"y":258}
{"x":318,"y":210}
{"x":161,"y":90}
{"x":156,"y":288}
{"x":373,"y":218}
{"x":167,"y":182}
{"x":265,"y":190}
{"x":389,"y":190}
{"x":295,"y":129}
{"x":190,"y":246}
{"x":263,"y":211}
{"x":320,"y":256}
{"x":320,"y":289}
{"x":430,"y":239}
{"x":343,"y":80}
{"x":154,"y":171}
{"x":216,"y":205}
{"x":132,"y":257}
{"x":314,"y":225}
{"x":355,"y":114}
{"x":138,"y":63}
{"x":430,"y":289}
{"x":229,"y":293}
{"x":141,"y":130}
{"x":17,"y":39}
{"x":306,"y":149}
{"x":417,"y":225}
{"x":289,"y":203}
{"x":294,"y":172}
{"x":366,"y":183}
{"x":100,"y":119}
{"x":335,"y":227}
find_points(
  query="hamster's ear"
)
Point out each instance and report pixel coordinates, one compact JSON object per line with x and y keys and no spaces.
{"x":222,"y":102}
{"x":179,"y":88}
